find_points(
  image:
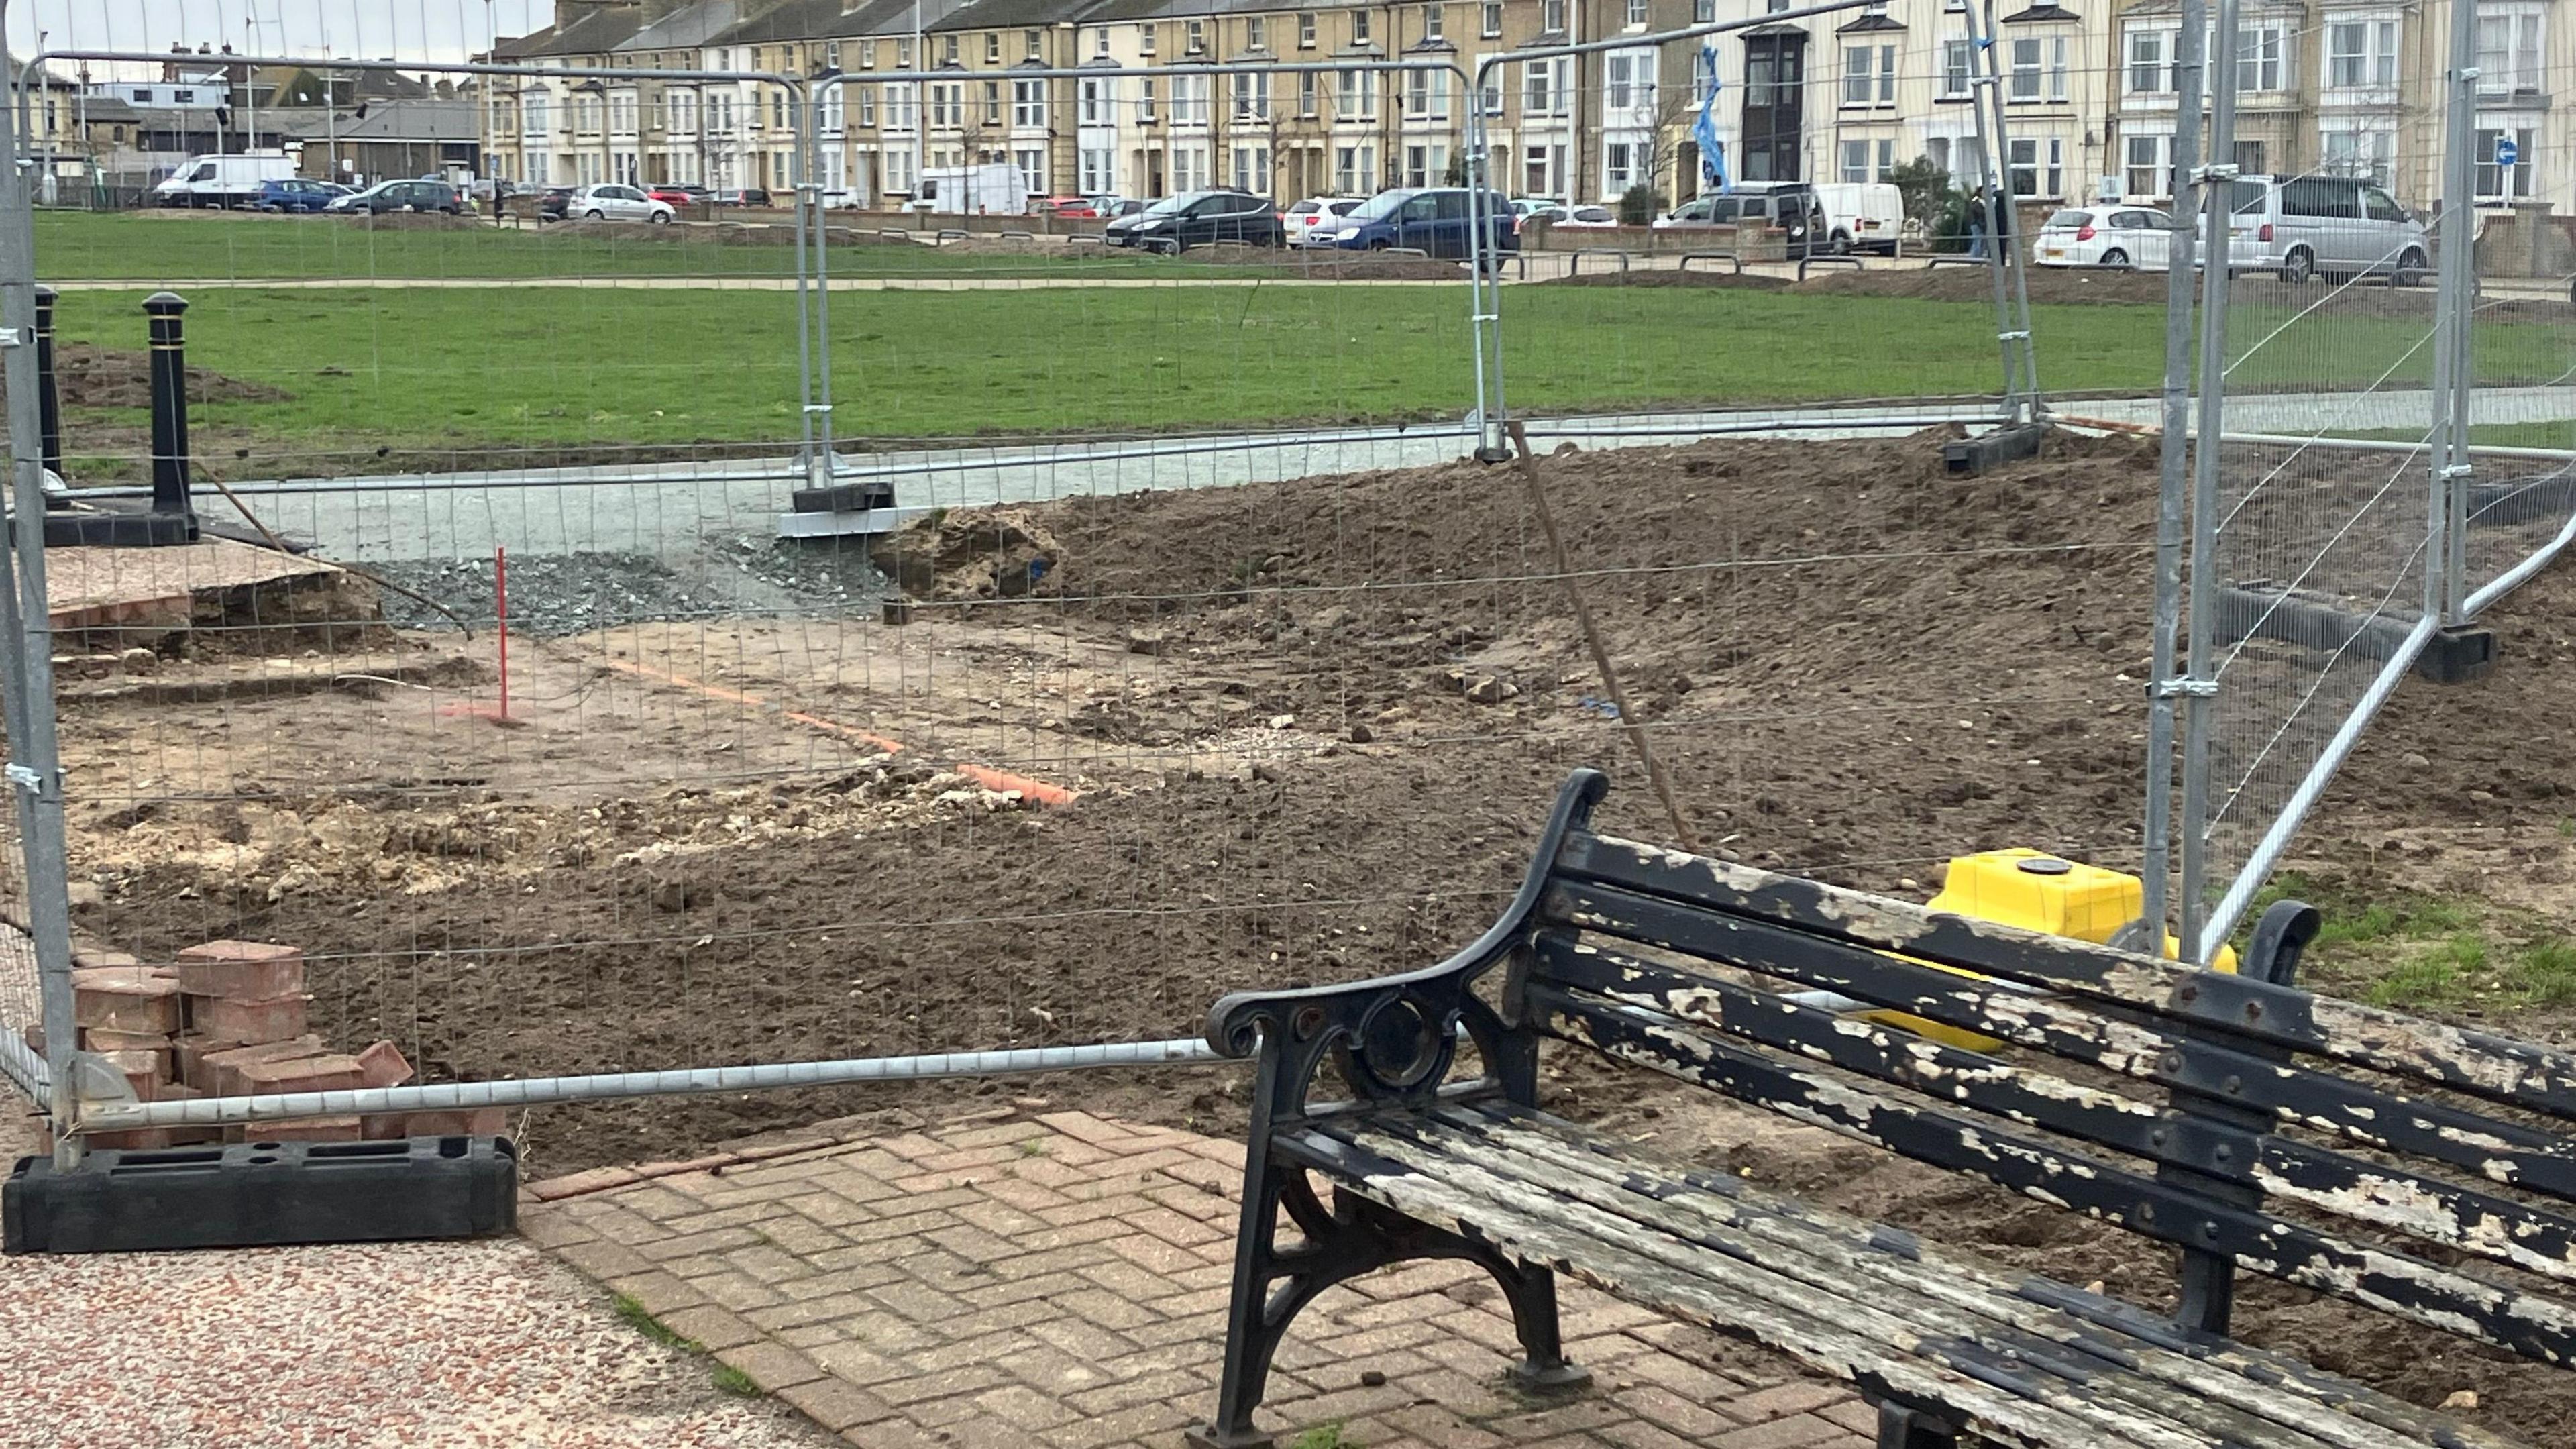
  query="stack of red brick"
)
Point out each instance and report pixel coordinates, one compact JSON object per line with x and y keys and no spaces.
{"x":229,"y":1021}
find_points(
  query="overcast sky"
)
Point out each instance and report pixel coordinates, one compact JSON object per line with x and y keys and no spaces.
{"x":365,"y":29}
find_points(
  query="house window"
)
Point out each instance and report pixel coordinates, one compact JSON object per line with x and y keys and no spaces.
{"x":1095,"y":166}
{"x":1359,"y":27}
{"x":1252,"y":169}
{"x":1618,"y":169}
{"x":1886,"y":158}
{"x":2508,"y":52}
{"x":1352,"y":166}
{"x":2258,"y":58}
{"x":1028,"y":104}
{"x":1703,"y":12}
{"x":2365,"y":154}
{"x":1490,"y":88}
{"x":1145,"y":103}
{"x":2150,"y":159}
{"x":1306,"y":87}
{"x":1637,"y":14}
{"x":1195,"y":33}
{"x":1305,"y":32}
{"x":2505,"y":183}
{"x":948,"y":50}
{"x":992,"y":47}
{"x":1144,"y":40}
{"x":1417,"y":166}
{"x":1255,"y":34}
{"x":867,"y":55}
{"x":1855,"y":161}
{"x":1857,"y":84}
{"x":1534,"y":89}
{"x":1434,"y":21}
{"x":1551,"y":16}
{"x":2057,"y":68}
{"x":1252,"y":97}
{"x":992,"y":103}
{"x":2362,"y":53}
{"x":1094,"y":104}
{"x":867,"y":105}
{"x":1030,"y":44}
{"x":1622,"y":92}
{"x":2025,"y":68}
{"x":903,"y":55}
{"x":2147,"y":72}
{"x":1954,"y":69}
{"x":1100,"y":41}
{"x":1032,"y":163}
{"x":1492,"y":23}
{"x":2024,"y":166}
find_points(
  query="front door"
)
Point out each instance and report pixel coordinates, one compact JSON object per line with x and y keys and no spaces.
{"x":1775,"y":74}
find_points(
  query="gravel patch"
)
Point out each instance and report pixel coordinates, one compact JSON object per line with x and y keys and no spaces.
{"x":463,"y":1343}
{"x":554,"y":594}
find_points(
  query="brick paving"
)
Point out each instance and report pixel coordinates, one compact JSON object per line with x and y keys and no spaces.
{"x":1060,"y":1281}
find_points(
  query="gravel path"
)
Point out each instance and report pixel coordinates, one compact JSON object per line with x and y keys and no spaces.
{"x":480,"y":1344}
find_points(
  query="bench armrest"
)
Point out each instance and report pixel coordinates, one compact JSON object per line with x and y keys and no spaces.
{"x":1394,"y":1036}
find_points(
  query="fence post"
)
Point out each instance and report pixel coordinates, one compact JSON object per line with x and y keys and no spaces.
{"x":810,"y":147}
{"x":35,"y":766}
{"x":48,"y":392}
{"x":2446,"y":564}
{"x":169,"y":403}
{"x":1484,"y":283}
{"x":2173,"y":455}
{"x":2012,"y":303}
{"x":2200,"y":687}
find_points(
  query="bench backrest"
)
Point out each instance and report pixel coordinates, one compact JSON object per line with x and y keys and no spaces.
{"x":2246,"y":1101}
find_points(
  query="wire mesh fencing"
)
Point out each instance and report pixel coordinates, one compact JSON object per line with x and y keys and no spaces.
{"x":803,"y":633}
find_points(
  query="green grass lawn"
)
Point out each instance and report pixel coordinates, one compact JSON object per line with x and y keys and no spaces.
{"x":462,"y":368}
{"x":2420,"y":952}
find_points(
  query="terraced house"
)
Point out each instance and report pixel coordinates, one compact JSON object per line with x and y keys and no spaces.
{"x":1309,"y":106}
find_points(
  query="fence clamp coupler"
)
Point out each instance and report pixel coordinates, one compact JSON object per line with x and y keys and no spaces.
{"x":2457,"y":470}
{"x":36,"y":783}
{"x":12,"y":337}
{"x":2220,"y":171}
{"x":2183,"y":689}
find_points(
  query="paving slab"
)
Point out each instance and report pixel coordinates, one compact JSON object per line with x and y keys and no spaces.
{"x":1058,"y":1280}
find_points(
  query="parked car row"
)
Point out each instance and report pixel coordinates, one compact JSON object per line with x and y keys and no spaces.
{"x":1435,"y":221}
{"x":2296,"y":228}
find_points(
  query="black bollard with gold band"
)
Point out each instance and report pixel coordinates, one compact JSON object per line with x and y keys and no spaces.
{"x":49,"y":399}
{"x":169,"y":405}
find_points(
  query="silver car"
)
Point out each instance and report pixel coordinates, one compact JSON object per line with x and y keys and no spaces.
{"x":617,"y":203}
{"x":2331,"y":226}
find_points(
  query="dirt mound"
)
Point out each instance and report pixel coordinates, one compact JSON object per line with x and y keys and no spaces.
{"x":1659,"y":277}
{"x":1952,"y":282}
{"x":971,"y":553}
{"x":90,"y":376}
{"x":411,"y":221}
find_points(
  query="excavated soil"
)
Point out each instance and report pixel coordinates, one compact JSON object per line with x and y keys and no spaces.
{"x":90,"y":376}
{"x":1314,"y":725}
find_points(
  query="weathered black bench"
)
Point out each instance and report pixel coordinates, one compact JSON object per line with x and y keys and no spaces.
{"x":2199,"y":1112}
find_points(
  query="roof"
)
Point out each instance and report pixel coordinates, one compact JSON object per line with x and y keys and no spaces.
{"x":108,"y":111}
{"x":686,"y":28}
{"x":596,"y":33}
{"x":2045,"y":10}
{"x":1871,"y":20}
{"x":796,"y":20}
{"x":405,"y":121}
{"x":882,"y":18}
{"x":517,"y":47}
{"x":1008,"y":15}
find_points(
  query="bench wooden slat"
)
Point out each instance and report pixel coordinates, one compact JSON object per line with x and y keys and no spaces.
{"x":1734,"y":1296}
{"x":2440,"y":1212}
{"x":2496,"y":1150}
{"x":2391,"y":1282}
{"x":2070,"y":1382}
{"x":2528,"y":1076}
{"x":1841,"y":1251}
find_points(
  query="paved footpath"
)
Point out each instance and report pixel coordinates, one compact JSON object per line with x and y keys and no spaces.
{"x":1060,"y":1281}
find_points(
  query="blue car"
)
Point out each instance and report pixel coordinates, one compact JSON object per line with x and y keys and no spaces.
{"x":297,"y":195}
{"x":1435,"y":222}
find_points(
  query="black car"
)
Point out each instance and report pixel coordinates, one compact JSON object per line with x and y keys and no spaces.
{"x":1199,"y":218}
{"x":746,"y":196}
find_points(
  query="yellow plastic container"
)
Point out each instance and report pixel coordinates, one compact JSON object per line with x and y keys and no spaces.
{"x":2040,"y":892}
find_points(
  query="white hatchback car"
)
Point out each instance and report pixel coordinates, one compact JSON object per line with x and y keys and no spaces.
{"x":1299,"y":220}
{"x":617,"y":203}
{"x":2119,"y":237}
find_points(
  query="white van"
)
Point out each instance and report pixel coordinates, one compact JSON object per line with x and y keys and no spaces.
{"x":221,"y":180}
{"x":1862,"y":216}
{"x":995,"y":188}
{"x":2323,"y":226}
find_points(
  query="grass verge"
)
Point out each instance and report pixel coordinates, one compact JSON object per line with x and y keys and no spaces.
{"x":2414,"y":951}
